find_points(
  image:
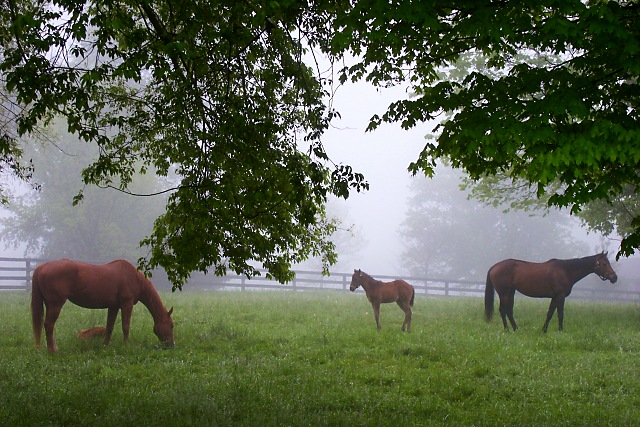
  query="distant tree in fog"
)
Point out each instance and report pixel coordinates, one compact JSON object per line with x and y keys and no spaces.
{"x":346,"y":237}
{"x":616,"y":217}
{"x":613,"y":217}
{"x":448,"y":235}
{"x":107,"y":224}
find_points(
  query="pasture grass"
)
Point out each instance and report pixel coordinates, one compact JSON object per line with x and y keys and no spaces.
{"x":312,"y":359}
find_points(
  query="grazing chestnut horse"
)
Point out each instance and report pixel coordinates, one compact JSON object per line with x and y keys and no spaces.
{"x":552,"y":279}
{"x":114,"y":286}
{"x":378,"y":292}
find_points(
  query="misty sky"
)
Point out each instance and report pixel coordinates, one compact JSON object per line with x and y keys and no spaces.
{"x":383,"y":157}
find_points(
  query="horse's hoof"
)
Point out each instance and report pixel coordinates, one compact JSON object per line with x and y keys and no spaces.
{"x":163,"y":347}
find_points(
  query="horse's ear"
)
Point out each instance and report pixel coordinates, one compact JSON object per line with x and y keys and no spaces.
{"x":170,"y":311}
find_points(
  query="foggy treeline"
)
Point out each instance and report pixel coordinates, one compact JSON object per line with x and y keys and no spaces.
{"x":448,"y":234}
{"x":107,"y":224}
{"x":444,"y":234}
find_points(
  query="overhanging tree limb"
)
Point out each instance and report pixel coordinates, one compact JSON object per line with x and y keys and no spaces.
{"x":209,"y":91}
{"x":574,"y":120}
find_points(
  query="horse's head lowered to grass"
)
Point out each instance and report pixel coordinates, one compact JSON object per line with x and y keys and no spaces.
{"x":163,"y":328}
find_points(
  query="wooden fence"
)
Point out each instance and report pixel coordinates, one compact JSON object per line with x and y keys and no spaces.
{"x":15,"y":274}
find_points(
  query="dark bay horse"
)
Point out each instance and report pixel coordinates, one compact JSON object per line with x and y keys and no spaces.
{"x":552,"y":279}
{"x":114,"y":286}
{"x":379,"y":292}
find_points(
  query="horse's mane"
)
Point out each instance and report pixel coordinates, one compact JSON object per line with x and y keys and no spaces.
{"x":365,"y":274}
{"x":150,"y":296}
{"x":369,"y":277}
{"x":577,"y":261}
{"x":142,"y":279}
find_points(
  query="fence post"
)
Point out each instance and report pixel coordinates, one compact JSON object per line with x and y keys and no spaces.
{"x":242,"y":282}
{"x":446,"y":288}
{"x":27,"y":275}
{"x":344,"y":282}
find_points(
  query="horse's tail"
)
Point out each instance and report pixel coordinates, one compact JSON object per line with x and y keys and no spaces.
{"x":488,"y":298}
{"x":37,"y":308}
{"x":413,"y":295}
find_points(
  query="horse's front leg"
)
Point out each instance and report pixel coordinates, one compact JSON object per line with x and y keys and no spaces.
{"x":126,"y":320}
{"x":376,"y":313}
{"x":560,"y":306}
{"x":510,"y":313}
{"x":552,"y":309}
{"x":112,"y":314}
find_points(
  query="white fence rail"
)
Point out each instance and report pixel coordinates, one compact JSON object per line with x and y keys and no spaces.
{"x":15,"y":274}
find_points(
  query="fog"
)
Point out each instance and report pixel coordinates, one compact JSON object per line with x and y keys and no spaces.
{"x":383,"y":157}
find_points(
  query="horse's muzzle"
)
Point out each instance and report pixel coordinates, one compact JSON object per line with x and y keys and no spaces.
{"x":167,"y":345}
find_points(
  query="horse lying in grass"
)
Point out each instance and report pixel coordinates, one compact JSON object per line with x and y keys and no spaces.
{"x":91,"y":333}
{"x":379,"y":292}
{"x":552,"y":279}
{"x":114,"y":286}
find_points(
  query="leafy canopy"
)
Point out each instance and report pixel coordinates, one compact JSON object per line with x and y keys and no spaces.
{"x":220,"y":91}
{"x":546,"y":90}
{"x":217,"y":90}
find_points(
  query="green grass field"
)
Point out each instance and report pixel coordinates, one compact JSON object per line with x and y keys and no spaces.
{"x":307,"y":359}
